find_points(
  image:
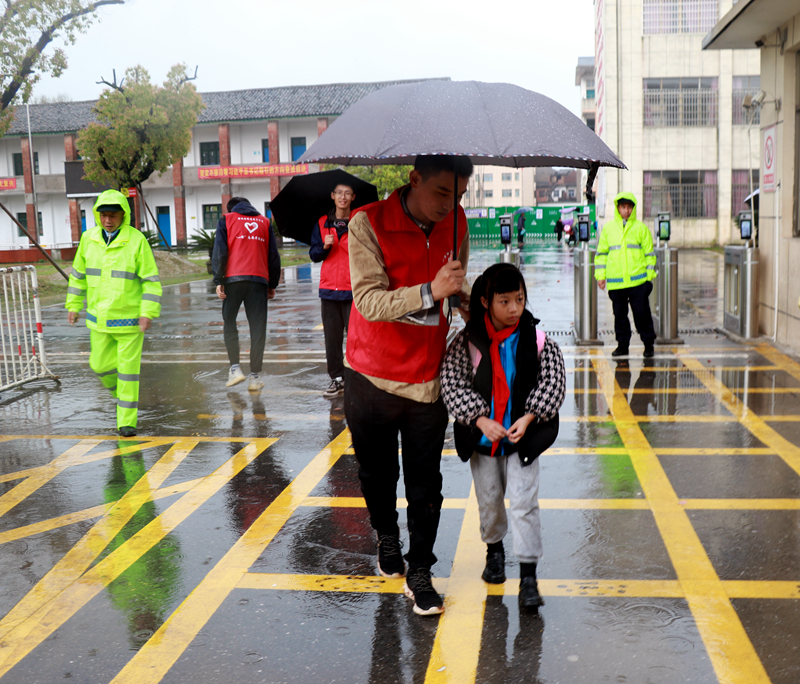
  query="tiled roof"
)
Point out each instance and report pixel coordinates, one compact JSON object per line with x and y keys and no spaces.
{"x":231,"y":105}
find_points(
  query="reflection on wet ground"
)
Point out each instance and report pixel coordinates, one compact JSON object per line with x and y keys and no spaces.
{"x":230,"y":542}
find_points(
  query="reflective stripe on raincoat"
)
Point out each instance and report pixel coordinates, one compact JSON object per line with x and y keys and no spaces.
{"x":625,"y":254}
{"x":118,"y":281}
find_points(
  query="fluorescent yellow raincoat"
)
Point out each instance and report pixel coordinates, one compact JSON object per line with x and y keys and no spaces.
{"x":120,"y":284}
{"x":625,"y":255}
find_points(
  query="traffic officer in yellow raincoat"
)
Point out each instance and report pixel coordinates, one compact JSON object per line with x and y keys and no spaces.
{"x":115,"y":272}
{"x":626,"y":264}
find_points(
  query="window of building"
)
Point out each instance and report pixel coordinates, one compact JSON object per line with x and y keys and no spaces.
{"x":742,"y":87}
{"x":680,"y":101}
{"x":488,"y":193}
{"x":466,"y":194}
{"x":516,"y":192}
{"x":487,"y":177}
{"x":265,"y":150}
{"x":505,"y":176}
{"x":679,"y":16}
{"x":212,"y":213}
{"x":684,"y":194}
{"x":22,"y":217}
{"x":18,"y":169}
{"x":740,"y":189}
{"x":571,"y":193}
{"x":298,"y":148}
{"x":516,"y":176}
{"x":209,"y":154}
{"x":507,"y":192}
{"x":590,"y":93}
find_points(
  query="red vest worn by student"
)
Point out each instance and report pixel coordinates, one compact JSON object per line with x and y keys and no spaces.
{"x":398,"y":351}
{"x":248,"y":246}
{"x":335,"y":272}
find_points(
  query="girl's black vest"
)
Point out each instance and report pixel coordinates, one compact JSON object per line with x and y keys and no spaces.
{"x":538,"y":436}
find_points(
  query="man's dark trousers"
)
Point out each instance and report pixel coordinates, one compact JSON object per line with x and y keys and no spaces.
{"x":254,"y":296}
{"x":335,"y":316}
{"x":375,"y":418}
{"x":637,"y":297}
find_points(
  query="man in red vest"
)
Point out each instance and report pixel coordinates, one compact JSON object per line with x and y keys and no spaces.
{"x":329,"y":245}
{"x":402,"y":270}
{"x":247,"y":269}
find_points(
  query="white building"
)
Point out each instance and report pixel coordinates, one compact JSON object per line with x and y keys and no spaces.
{"x":244,"y":143}
{"x":673,"y":114}
{"x":500,"y":186}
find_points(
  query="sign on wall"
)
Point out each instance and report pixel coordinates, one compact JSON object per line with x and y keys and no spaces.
{"x":260,"y":171}
{"x":769,"y":153}
{"x":8,"y":183}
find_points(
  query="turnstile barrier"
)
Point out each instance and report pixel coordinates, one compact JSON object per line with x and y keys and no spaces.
{"x":741,"y":291}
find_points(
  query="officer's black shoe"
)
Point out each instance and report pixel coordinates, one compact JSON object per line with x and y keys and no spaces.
{"x":495,"y":570}
{"x":620,"y":351}
{"x":529,"y":596}
{"x":649,"y":352}
{"x":127,"y":431}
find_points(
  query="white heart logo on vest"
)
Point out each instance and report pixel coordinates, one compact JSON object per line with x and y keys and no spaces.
{"x":249,"y":228}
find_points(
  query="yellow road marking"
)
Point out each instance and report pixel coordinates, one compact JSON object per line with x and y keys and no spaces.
{"x":318,"y":327}
{"x":27,"y":635}
{"x":780,"y":419}
{"x":596,"y":588}
{"x":715,"y":451}
{"x":85,"y":514}
{"x":731,"y":653}
{"x":159,"y":654}
{"x":338,"y":583}
{"x":83,"y":553}
{"x":780,"y":360}
{"x":758,"y":427}
{"x":762,"y":590}
{"x":742,"y":504}
{"x":454,"y":657}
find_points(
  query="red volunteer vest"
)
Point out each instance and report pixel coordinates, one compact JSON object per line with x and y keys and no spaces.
{"x":335,"y":272}
{"x":248,"y":246}
{"x":403,"y":352}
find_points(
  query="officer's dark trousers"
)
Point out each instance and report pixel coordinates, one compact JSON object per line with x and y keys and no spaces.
{"x":375,"y":419}
{"x":335,"y":316}
{"x":637,"y":297}
{"x":254,"y":296}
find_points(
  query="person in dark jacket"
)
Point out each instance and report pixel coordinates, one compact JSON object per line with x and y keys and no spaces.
{"x":504,"y":381}
{"x":247,"y":269}
{"x":329,"y":245}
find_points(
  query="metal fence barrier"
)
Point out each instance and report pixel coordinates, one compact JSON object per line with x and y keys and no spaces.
{"x":21,"y":339}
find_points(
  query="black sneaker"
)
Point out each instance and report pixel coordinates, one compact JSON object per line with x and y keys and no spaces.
{"x":495,"y":570}
{"x":419,"y":588}
{"x":335,"y":389}
{"x":127,"y":431}
{"x":529,"y":596}
{"x":390,"y":558}
{"x":649,"y":352}
{"x":620,"y":351}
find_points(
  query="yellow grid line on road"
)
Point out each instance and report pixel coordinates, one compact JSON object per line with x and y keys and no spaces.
{"x":732,"y":655}
{"x":163,"y":649}
{"x":28,"y":634}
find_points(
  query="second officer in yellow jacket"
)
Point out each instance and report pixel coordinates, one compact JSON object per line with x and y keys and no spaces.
{"x":626,"y":265}
{"x":115,"y":272}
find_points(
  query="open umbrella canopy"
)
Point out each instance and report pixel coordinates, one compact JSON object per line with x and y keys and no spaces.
{"x":492,"y":123}
{"x":299,"y":206}
{"x":523,"y":210}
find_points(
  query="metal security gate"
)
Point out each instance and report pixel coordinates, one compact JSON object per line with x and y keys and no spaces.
{"x":21,"y":339}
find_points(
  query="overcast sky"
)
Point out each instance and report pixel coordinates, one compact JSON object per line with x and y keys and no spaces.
{"x":240,"y":44}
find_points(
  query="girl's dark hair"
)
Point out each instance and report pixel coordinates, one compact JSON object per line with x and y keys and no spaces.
{"x":497,"y":279}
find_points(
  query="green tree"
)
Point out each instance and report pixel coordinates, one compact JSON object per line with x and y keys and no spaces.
{"x":27,"y":27}
{"x":387,"y":178}
{"x":141,"y":128}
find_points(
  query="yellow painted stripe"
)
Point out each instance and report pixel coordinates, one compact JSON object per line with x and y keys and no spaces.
{"x":593,"y":504}
{"x":318,"y":327}
{"x":358,"y":502}
{"x":789,"y":452}
{"x":762,"y":590}
{"x":454,"y":658}
{"x":780,"y":419}
{"x":780,"y":360}
{"x":683,"y":419}
{"x":554,"y":451}
{"x":337,"y":583}
{"x":84,"y":515}
{"x":157,"y":656}
{"x":26,"y":636}
{"x":596,"y":588}
{"x":731,"y":653}
{"x":83,"y":553}
{"x":715,"y":451}
{"x":742,"y":504}
{"x":57,"y":466}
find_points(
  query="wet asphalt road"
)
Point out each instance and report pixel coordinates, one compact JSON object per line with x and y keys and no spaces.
{"x":228,"y":542}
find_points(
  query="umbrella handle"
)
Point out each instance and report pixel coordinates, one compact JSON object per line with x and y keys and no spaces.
{"x":455,"y":300}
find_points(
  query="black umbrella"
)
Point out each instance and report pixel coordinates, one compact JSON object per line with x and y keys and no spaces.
{"x":492,"y":123}
{"x":298,"y":207}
